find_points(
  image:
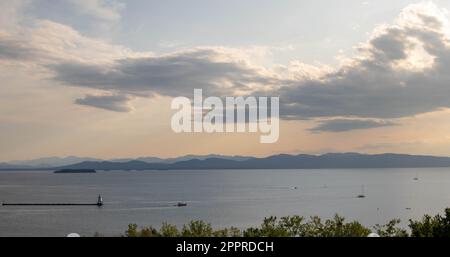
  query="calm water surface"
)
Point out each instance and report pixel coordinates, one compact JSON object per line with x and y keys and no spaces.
{"x":239,"y":198}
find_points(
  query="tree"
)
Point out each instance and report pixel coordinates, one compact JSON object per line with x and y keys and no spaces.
{"x":390,"y":229}
{"x":437,"y":226}
{"x":168,"y":230}
{"x":197,"y":228}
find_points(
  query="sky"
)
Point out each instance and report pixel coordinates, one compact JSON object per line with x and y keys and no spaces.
{"x":96,"y":77}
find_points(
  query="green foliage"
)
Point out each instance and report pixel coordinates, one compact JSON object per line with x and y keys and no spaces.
{"x":338,"y":228}
{"x":437,"y":226}
{"x":149,"y":232}
{"x":168,"y":230}
{"x":293,"y":225}
{"x":390,"y":229}
{"x":297,"y":226}
{"x":197,"y":228}
{"x":228,"y":232}
{"x":132,"y":231}
{"x":269,"y":228}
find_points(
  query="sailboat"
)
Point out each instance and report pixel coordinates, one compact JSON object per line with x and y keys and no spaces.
{"x":99,"y":201}
{"x":362,"y":195}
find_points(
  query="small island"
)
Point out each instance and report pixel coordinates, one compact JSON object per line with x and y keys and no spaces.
{"x":69,"y":171}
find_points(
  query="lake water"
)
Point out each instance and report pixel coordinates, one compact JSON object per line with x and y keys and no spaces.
{"x":239,"y":198}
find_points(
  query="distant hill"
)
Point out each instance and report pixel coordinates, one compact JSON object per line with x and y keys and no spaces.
{"x":50,"y":162}
{"x":107,"y":165}
{"x":7,"y":166}
{"x":284,"y":161}
{"x":205,"y":157}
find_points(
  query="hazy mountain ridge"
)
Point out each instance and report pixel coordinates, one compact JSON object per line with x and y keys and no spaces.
{"x":6,"y":166}
{"x":184,"y":158}
{"x":51,"y":162}
{"x":282,"y":161}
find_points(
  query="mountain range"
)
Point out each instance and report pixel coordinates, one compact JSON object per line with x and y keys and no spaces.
{"x":52,"y":162}
{"x":283,"y":161}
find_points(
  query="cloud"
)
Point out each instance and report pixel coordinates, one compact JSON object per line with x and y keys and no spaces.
{"x":108,"y":10}
{"x":401,"y":64}
{"x":11,"y":48}
{"x":215,"y":70}
{"x":48,"y":43}
{"x":401,"y":71}
{"x":116,"y":103}
{"x":343,"y":125}
{"x":10,"y":13}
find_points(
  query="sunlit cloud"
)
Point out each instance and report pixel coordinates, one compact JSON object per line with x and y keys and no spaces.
{"x":400,"y":72}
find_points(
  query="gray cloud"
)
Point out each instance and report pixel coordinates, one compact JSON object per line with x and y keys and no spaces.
{"x":381,"y":84}
{"x":173,"y":75}
{"x":16,"y":50}
{"x":384,"y":81}
{"x":342,"y":125}
{"x":376,"y":84}
{"x":117,"y":103}
{"x":390,"y":46}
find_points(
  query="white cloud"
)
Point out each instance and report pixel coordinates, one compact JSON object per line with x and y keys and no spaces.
{"x":401,"y":71}
{"x":49,"y":42}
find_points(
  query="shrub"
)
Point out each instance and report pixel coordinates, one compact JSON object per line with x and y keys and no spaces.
{"x":296,"y":226}
{"x":197,"y":228}
{"x":437,"y":226}
{"x":390,"y":229}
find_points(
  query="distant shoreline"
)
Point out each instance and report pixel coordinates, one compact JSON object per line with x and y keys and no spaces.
{"x":215,"y":169}
{"x":283,"y":161}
